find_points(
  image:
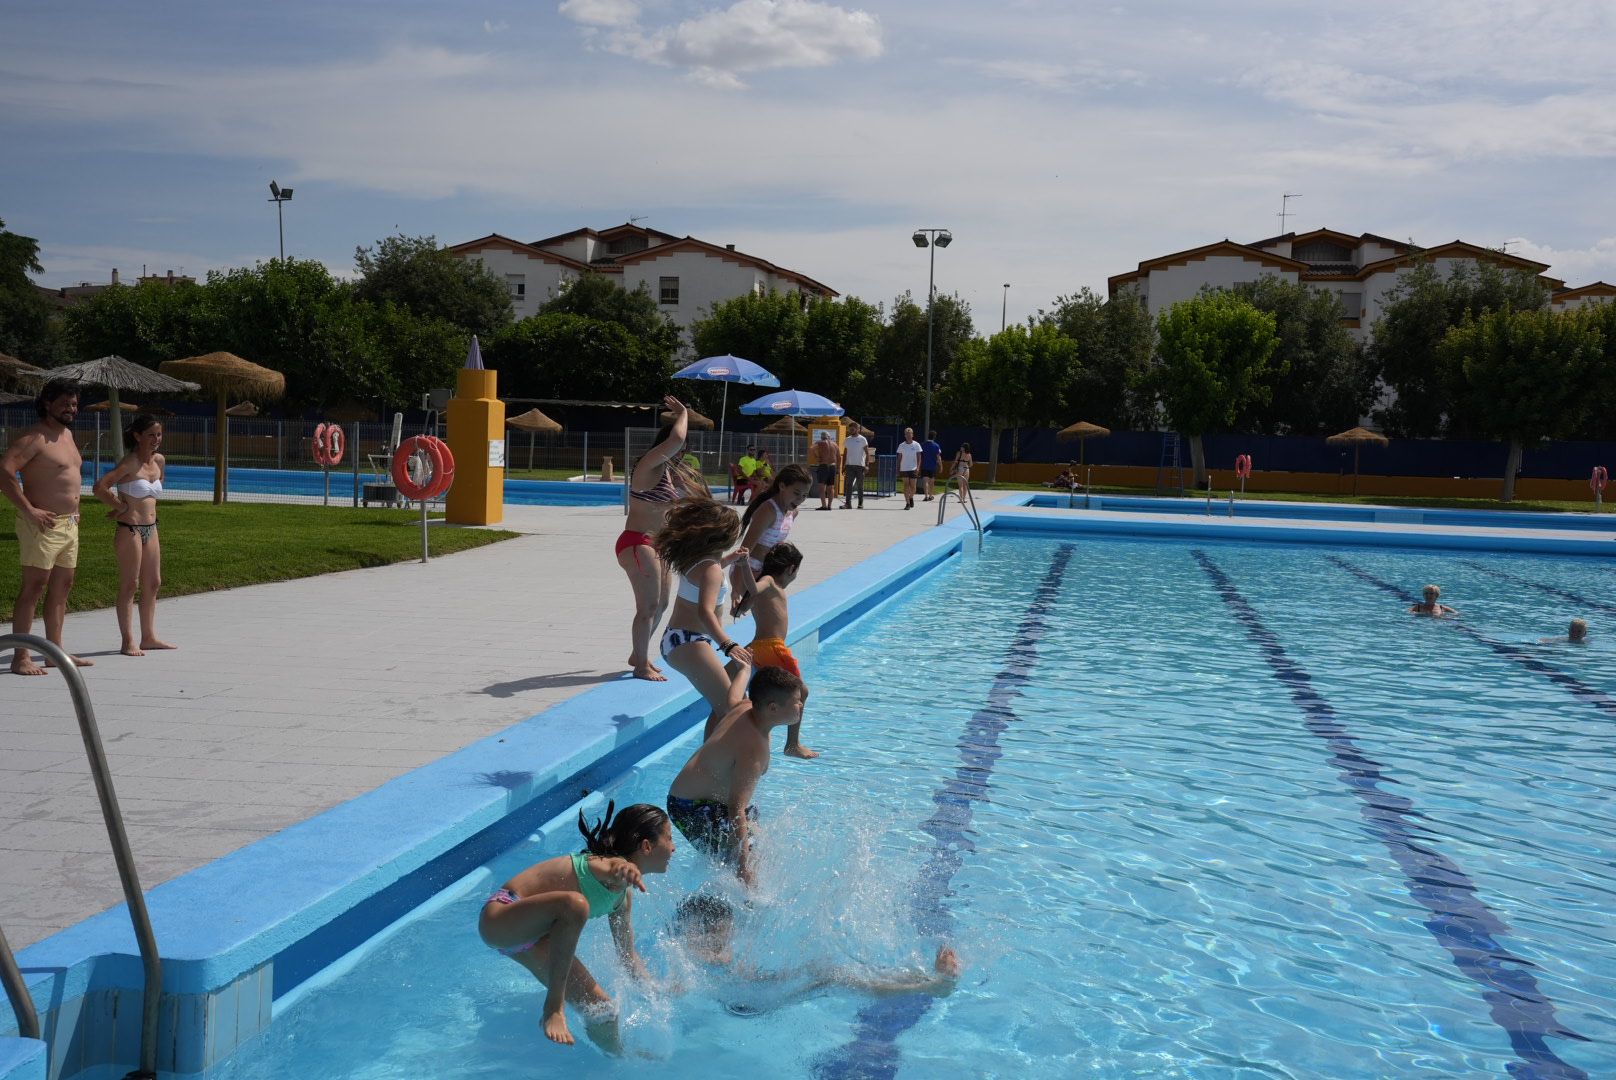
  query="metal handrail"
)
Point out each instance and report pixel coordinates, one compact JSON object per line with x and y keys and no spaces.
{"x":132,"y":894}
{"x":968,"y":505}
{"x":21,"y":1002}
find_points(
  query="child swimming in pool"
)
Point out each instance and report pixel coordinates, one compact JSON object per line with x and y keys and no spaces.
{"x":773,"y":622}
{"x":536,"y":917}
{"x":711,"y":798}
{"x":1430,"y":606}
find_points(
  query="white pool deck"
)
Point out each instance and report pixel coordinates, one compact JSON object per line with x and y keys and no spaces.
{"x":287,"y":699}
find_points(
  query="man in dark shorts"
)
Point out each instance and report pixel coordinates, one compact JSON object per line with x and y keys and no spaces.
{"x":909,"y":466}
{"x":822,"y":456}
{"x":855,"y":460}
{"x":931,"y":459}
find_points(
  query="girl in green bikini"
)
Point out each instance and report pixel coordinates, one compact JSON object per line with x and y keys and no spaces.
{"x":536,"y":917}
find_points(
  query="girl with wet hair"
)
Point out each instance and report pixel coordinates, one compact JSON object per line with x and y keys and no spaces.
{"x":767,"y":522}
{"x":692,"y":542}
{"x":536,"y":917}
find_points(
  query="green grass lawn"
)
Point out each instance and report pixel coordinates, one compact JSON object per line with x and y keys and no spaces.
{"x":208,"y":547}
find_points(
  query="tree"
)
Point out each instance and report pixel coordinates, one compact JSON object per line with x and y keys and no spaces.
{"x":1418,"y":314}
{"x":766,"y":329}
{"x":555,"y":354}
{"x":432,"y":282}
{"x":25,"y":315}
{"x":1215,"y":351}
{"x":896,"y":386}
{"x":1013,"y":378}
{"x":841,"y":346}
{"x":599,"y":297}
{"x":1599,"y":420}
{"x":1321,"y":381}
{"x":1115,"y":340}
{"x":148,"y":322}
{"x":1526,"y":375}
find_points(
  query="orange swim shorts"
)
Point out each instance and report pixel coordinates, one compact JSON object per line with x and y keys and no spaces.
{"x":772,"y":652}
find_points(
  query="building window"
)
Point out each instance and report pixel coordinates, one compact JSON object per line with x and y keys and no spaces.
{"x":1351,"y":305}
{"x":517,"y":283}
{"x":668,"y":290}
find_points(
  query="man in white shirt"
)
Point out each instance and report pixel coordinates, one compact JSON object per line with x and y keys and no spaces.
{"x":909,"y":466}
{"x":855,"y":455}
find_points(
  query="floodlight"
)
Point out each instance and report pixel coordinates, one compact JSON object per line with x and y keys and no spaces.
{"x":944,"y":238}
{"x":274,"y":189}
{"x":286,"y":193}
{"x":920,"y":239}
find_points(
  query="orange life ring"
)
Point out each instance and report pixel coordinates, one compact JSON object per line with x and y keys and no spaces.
{"x":317,"y":445}
{"x":1597,"y":480}
{"x":1242,"y":465}
{"x":334,"y":442}
{"x":439,"y":463}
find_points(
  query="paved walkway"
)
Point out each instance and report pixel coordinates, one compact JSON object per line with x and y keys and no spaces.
{"x":286,"y":699}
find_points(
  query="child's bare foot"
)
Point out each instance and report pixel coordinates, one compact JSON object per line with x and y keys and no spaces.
{"x":130,"y":649}
{"x":76,"y":661}
{"x":801,"y":751}
{"x":154,"y":643}
{"x":649,"y":674}
{"x":947,"y":964}
{"x":555,"y":1028}
{"x":23,"y":665}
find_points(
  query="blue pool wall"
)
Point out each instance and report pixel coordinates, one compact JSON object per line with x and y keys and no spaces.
{"x":310,"y":482}
{"x":245,"y":930}
{"x":231,"y":948}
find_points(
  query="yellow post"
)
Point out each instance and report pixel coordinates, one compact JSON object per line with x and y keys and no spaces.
{"x":837,"y":428}
{"x":477,"y":440}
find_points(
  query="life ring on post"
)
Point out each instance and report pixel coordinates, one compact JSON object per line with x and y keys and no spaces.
{"x":317,"y":448}
{"x":1242,"y":465}
{"x":1597,"y":480}
{"x":334,"y":442}
{"x":436,"y":464}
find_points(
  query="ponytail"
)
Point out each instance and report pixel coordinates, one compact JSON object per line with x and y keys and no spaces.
{"x":791,"y":474}
{"x":620,"y":835}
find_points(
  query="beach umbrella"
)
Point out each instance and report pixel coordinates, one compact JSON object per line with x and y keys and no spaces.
{"x":106,"y":406}
{"x":533,"y":421}
{"x":114,"y":374}
{"x":792,"y":403}
{"x":11,"y":369}
{"x":13,"y":399}
{"x":692,"y":419}
{"x":246,"y":408}
{"x":786,"y":425}
{"x":1357,"y":437}
{"x":226,"y":375}
{"x":727,"y":369}
{"x":1082,"y":431}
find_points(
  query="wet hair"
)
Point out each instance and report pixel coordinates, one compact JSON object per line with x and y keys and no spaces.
{"x":621,"y":835}
{"x":51,"y":391}
{"x":139,"y":425}
{"x":781,"y":557}
{"x":1431,"y":590}
{"x":772,"y":685}
{"x":1578,"y":629}
{"x":696,"y":529}
{"x":791,"y":474}
{"x":704,"y":913}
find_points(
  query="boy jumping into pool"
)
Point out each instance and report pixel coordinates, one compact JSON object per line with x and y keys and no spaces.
{"x":772,"y":622}
{"x":711,"y":798}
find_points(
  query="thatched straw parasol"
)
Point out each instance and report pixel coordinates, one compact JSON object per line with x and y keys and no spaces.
{"x":13,"y":399}
{"x":11,"y":368}
{"x":533,"y":421}
{"x":114,"y":373}
{"x":1082,"y":431}
{"x":226,"y":376}
{"x":696,"y":420}
{"x":106,"y":406}
{"x":246,"y":408}
{"x":1357,"y":437}
{"x":786,"y":425}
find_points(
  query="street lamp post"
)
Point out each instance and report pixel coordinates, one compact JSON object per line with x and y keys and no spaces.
{"x":934,"y":239}
{"x":1004,"y":308}
{"x":279,"y":195}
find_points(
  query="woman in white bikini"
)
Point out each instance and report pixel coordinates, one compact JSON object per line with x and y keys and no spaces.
{"x":692,"y":542}
{"x":139,"y":481}
{"x":962,"y":470}
{"x":767,"y":522}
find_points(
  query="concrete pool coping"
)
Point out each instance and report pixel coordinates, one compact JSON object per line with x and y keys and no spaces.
{"x":230,"y":949}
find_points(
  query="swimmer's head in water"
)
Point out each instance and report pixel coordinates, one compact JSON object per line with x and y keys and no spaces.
{"x":706,"y":923}
{"x":1431,"y":592}
{"x":1579,"y":630}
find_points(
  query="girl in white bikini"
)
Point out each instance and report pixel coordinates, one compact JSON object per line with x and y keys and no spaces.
{"x":692,"y":542}
{"x":767,"y":522}
{"x":139,"y":481}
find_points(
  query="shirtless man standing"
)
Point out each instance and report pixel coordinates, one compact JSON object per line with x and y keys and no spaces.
{"x":47,"y":503}
{"x":711,"y":798}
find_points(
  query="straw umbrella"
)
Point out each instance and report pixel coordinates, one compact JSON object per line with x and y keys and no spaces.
{"x":533,"y":421}
{"x":226,"y":375}
{"x":1357,"y":437}
{"x":12,"y":369}
{"x":13,"y":399}
{"x":1082,"y":431}
{"x":786,"y":425}
{"x":106,"y":406}
{"x":246,"y":408}
{"x":113,"y":374}
{"x":696,"y":420}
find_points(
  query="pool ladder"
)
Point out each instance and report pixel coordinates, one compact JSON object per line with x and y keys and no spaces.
{"x":969,"y":505}
{"x":21,"y":1003}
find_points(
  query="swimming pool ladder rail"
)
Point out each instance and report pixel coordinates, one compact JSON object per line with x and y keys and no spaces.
{"x":150,"y":962}
{"x":21,"y":1003}
{"x":968,"y":504}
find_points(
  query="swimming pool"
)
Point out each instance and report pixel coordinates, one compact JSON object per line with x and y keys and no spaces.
{"x":1186,"y":808}
{"x":310,"y":483}
{"x":1256,"y":507}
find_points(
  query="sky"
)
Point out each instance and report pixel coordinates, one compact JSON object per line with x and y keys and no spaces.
{"x":1060,"y":142}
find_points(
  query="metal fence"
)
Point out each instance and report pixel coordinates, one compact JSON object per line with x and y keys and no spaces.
{"x":717,"y":452}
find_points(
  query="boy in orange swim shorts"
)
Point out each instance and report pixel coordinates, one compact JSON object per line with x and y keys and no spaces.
{"x":769,"y":647}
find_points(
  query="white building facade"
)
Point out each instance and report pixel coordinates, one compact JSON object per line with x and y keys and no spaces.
{"x":1360,"y":271}
{"x":684,"y":275}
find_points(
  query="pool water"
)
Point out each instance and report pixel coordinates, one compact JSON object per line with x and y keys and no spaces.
{"x":1185,"y":809}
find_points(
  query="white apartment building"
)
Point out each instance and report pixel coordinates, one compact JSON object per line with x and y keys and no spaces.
{"x":686,"y":276}
{"x":1358,"y":270}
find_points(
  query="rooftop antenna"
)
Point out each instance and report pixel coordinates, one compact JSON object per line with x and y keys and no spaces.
{"x":1284,"y":208}
{"x":639,"y":218}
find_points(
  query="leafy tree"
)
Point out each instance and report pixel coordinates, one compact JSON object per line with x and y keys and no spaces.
{"x":600,"y":297}
{"x":766,"y":330}
{"x":1526,"y":375}
{"x":25,"y":315}
{"x":148,"y":323}
{"x":1599,"y":420}
{"x":841,"y":346}
{"x":1321,"y":381}
{"x":1215,"y":354}
{"x":1115,"y":340}
{"x":1418,"y":315}
{"x":1013,"y":378}
{"x":555,"y":354}
{"x":271,"y":314}
{"x":432,"y":282}
{"x":896,"y":386}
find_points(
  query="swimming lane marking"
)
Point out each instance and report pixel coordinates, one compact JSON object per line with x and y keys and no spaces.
{"x":1549,"y":590}
{"x":873,"y":1052}
{"x":1461,"y":923}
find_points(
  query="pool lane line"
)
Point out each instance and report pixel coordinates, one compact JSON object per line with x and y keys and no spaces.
{"x":1548,"y":590}
{"x":1461,"y":923}
{"x":1522,"y":656}
{"x":873,"y":1052}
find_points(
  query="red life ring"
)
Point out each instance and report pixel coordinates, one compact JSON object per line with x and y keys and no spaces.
{"x":1242,"y":465}
{"x":439,"y":464}
{"x":334,"y":442}
{"x":317,"y":445}
{"x":1597,"y":480}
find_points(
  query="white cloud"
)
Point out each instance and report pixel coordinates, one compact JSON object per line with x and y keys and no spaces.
{"x":1058,"y":77}
{"x":1577,"y":266}
{"x":609,"y":13}
{"x":491,"y":27}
